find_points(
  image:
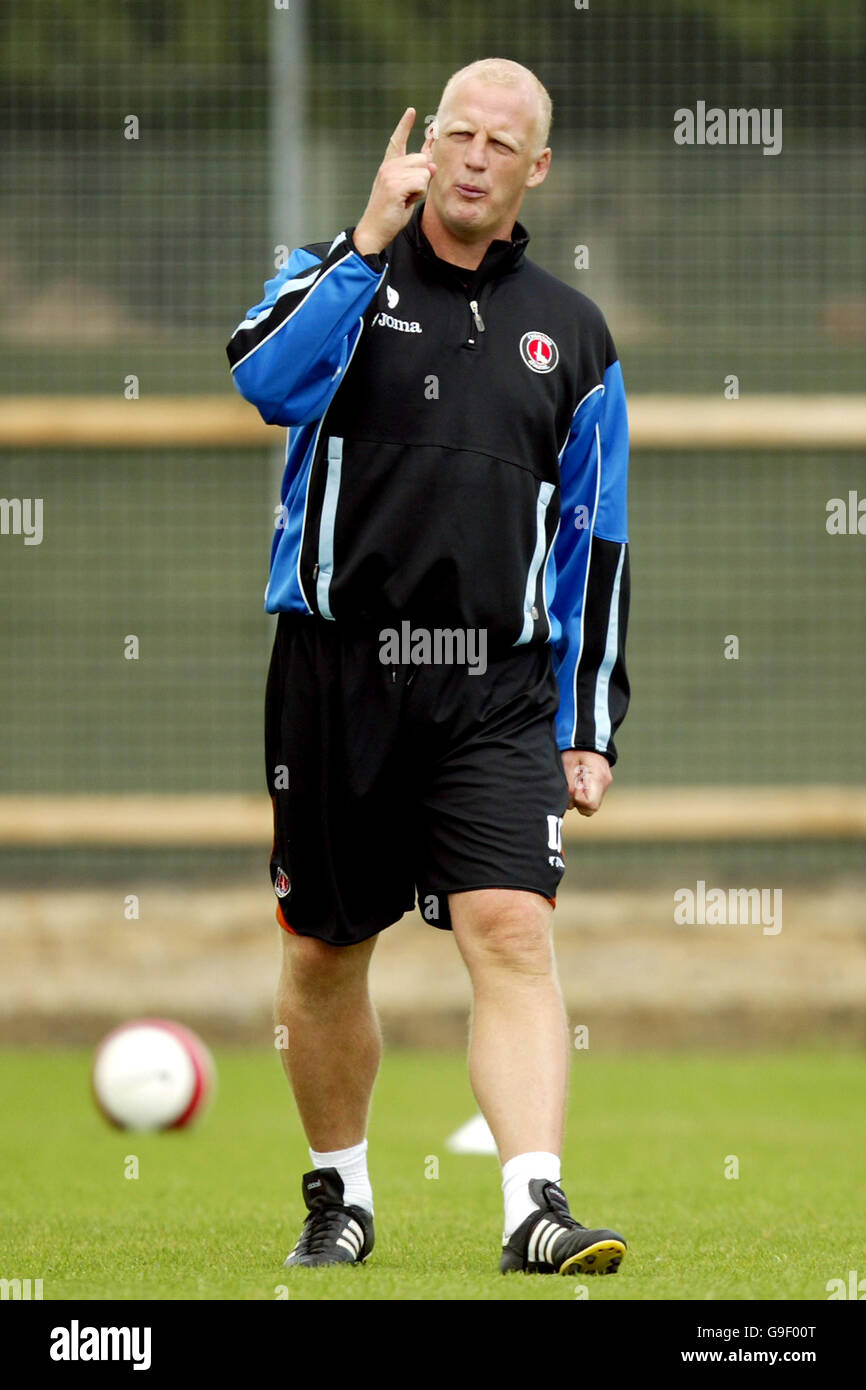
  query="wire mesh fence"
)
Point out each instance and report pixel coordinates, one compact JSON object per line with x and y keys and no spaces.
{"x":746,"y":650}
{"x":139,"y":170}
{"x":141,"y":214}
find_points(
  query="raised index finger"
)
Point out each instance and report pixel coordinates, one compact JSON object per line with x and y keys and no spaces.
{"x":397,"y":144}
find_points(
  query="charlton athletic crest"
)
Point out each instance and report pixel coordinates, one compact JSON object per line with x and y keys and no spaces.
{"x":282,"y":884}
{"x":539,"y":352}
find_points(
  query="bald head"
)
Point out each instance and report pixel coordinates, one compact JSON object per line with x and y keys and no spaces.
{"x":504,"y":73}
{"x":487,"y":143}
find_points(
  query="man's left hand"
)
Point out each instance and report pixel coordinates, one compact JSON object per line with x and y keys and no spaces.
{"x":588,"y":776}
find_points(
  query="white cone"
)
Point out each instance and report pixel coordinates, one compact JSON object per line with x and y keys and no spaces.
{"x":474,"y":1137}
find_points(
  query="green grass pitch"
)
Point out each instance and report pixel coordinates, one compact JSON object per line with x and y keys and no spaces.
{"x":214,"y":1210}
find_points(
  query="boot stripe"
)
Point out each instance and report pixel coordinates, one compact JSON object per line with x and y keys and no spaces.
{"x":535,"y":1238}
{"x":351,"y":1238}
{"x":533,"y":1242}
{"x":547,"y":1246}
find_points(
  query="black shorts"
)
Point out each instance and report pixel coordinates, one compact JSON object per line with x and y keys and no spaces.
{"x":389,"y":780}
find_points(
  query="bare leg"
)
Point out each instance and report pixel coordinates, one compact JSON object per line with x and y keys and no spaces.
{"x":518,"y":1051}
{"x":335,"y":1044}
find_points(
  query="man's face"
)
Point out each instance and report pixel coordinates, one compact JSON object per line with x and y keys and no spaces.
{"x":485,"y":156}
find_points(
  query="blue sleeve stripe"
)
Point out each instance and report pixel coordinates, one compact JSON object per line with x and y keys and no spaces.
{"x":603,"y":731}
{"x":316,"y":282}
{"x":257,"y":316}
{"x":548,"y":580}
{"x":289,"y":278}
{"x":284,"y":590}
{"x":581,"y":404}
{"x":545,"y":492}
{"x":612,"y":520}
{"x":285,"y":587}
{"x":579,"y":653}
{"x":328,"y":524}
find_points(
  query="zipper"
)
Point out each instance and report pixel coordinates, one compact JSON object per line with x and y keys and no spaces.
{"x":477,"y":320}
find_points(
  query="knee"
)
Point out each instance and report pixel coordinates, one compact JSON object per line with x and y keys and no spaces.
{"x":315,"y":971}
{"x":505,"y":929}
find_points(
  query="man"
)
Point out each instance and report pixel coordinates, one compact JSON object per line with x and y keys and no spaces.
{"x":450,"y":567}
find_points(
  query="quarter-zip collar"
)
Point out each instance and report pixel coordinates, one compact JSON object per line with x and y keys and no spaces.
{"x":500,"y":258}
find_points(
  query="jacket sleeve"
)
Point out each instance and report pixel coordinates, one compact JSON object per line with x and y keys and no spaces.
{"x":288,"y":355}
{"x":591,"y":567}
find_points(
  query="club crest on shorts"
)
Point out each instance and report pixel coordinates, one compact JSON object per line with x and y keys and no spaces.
{"x":539,"y":352}
{"x":282,"y":884}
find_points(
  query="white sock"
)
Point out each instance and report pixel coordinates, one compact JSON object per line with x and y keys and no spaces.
{"x":351,"y":1164}
{"x":516,"y":1176}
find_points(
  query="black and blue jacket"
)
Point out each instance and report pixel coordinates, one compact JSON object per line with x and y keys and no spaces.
{"x":457,"y":455}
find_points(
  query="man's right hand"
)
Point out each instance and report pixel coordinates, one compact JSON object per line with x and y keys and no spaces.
{"x":400,"y":183}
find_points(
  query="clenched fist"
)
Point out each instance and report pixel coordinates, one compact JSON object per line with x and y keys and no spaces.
{"x":588,"y":776}
{"x":400,"y":183}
